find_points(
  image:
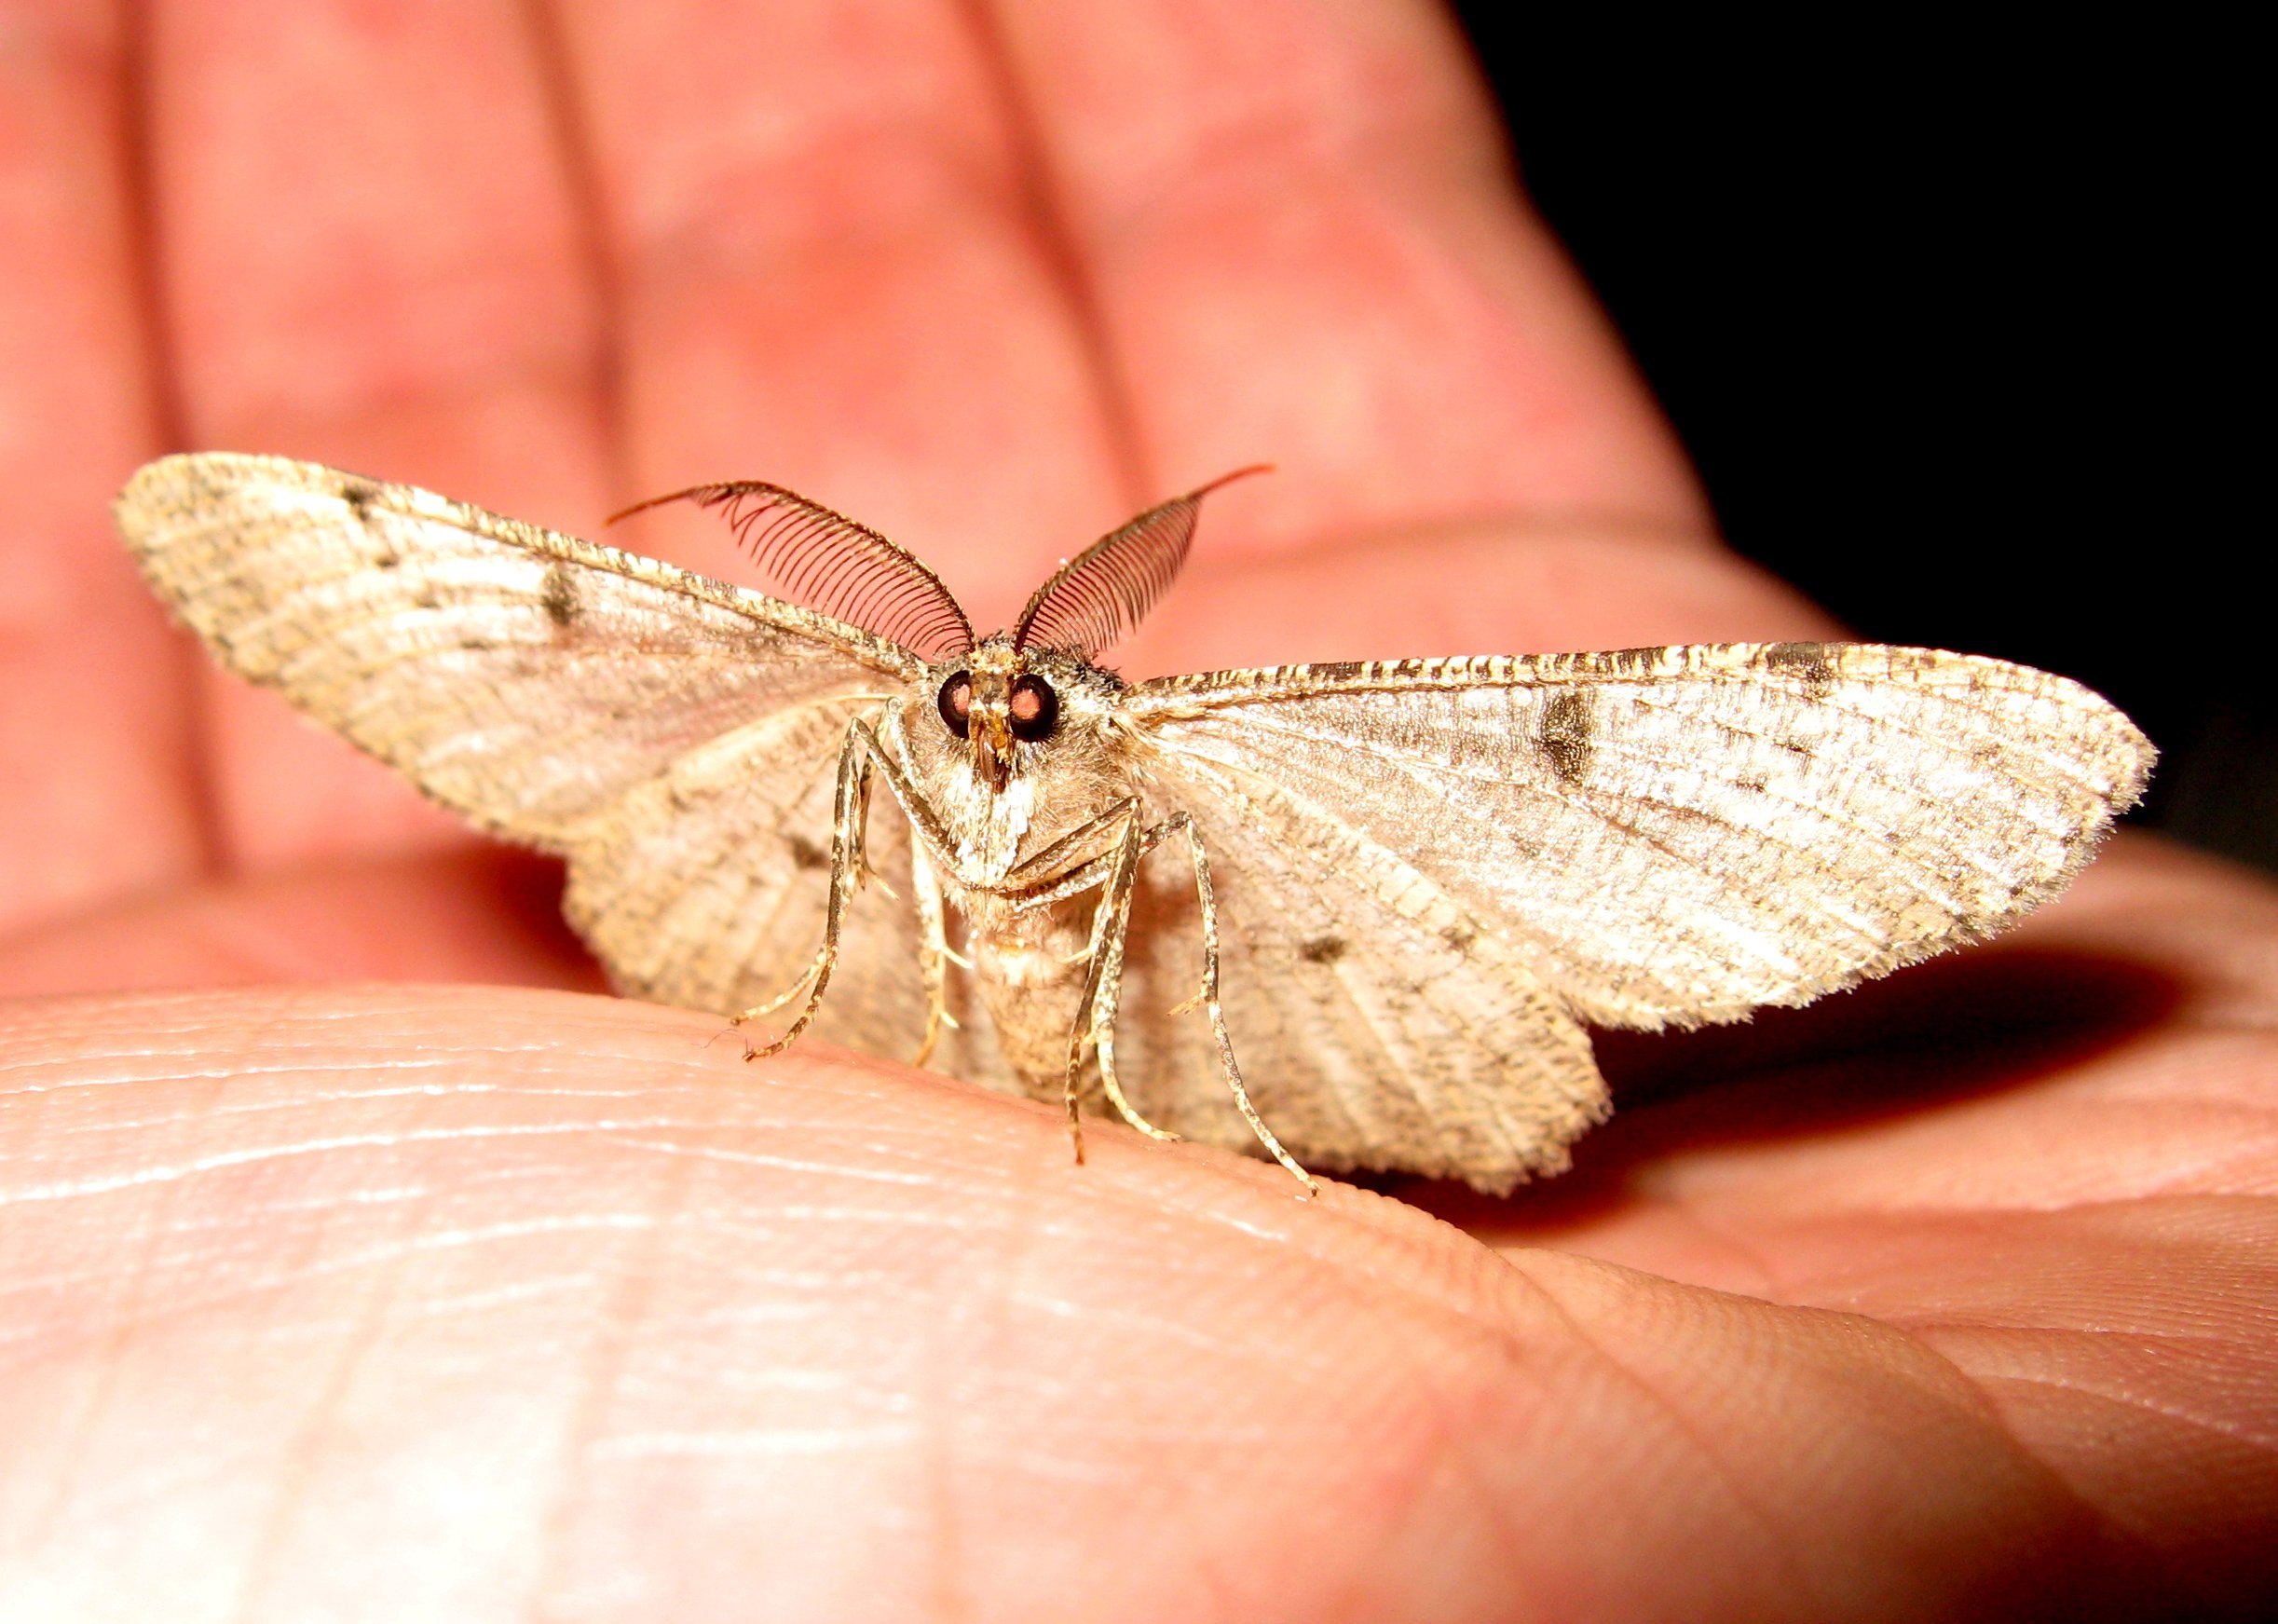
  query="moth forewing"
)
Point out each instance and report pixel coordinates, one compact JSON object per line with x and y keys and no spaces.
{"x":1682,"y":835}
{"x":1386,"y":895}
{"x":525,"y":679}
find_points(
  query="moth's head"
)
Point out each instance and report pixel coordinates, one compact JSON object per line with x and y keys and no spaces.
{"x":1017,"y":695}
{"x":1013,"y":708}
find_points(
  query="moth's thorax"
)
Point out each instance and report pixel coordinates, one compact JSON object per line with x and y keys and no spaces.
{"x":1039,"y":758}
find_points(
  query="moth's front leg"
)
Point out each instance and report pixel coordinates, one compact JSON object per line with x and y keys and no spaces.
{"x":850,"y":802}
{"x":934,"y":954}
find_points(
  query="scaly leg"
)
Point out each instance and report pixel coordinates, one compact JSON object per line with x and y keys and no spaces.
{"x":1111,"y":918}
{"x":1118,"y":868}
{"x":933,"y":950}
{"x":1103,"y":985}
{"x":1211,"y":1001}
{"x":1103,"y":981}
{"x":847,"y":803}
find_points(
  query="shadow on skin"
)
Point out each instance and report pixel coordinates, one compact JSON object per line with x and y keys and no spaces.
{"x":1936,"y":1035}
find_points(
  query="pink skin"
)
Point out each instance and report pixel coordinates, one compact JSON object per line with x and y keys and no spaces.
{"x":1953,"y":1298}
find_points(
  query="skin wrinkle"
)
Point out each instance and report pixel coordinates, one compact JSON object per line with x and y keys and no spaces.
{"x":180,"y":1306}
{"x":1905,"y":1214}
{"x":1459,"y":1446}
{"x":602,"y":1375}
{"x":1766,"y":1277}
{"x":988,"y":1314}
{"x":258,"y":1154}
{"x":476,"y":1305}
{"x":120,"y":1336}
{"x":1783,"y":1543}
{"x":301,"y":1454}
{"x":1924,"y":1332}
{"x":2052,"y":1480}
{"x":2136,"y":1402}
{"x":780,"y":1163}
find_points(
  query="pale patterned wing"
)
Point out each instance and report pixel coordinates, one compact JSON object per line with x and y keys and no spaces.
{"x":1377,"y":1022}
{"x":706,"y":887}
{"x":674,"y":736}
{"x":1681,"y":834}
{"x":525,"y":679}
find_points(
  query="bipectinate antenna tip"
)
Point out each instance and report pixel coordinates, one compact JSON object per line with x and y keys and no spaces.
{"x":1097,"y":597}
{"x":826,"y":561}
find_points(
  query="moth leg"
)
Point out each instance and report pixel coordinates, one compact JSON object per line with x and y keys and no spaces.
{"x":864,"y":761}
{"x":1108,"y":962}
{"x":933,"y":955}
{"x":1088,"y":878}
{"x":813,"y":967}
{"x":867,"y":875}
{"x":1084,"y":876}
{"x":1180,"y":823}
{"x":1112,"y":925}
{"x":1095,"y":1027}
{"x":849,"y":802}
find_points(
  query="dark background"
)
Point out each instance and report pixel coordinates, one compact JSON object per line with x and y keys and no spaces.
{"x":1951,"y":322}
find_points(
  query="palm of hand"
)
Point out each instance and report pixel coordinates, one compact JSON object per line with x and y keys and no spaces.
{"x":537,"y":1297}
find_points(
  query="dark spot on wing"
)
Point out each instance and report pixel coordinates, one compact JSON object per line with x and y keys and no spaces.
{"x":805,"y":854}
{"x":427,"y":597}
{"x":1322,"y":950}
{"x":558,"y":593}
{"x":361,"y":496}
{"x":1753,"y":785}
{"x":1460,"y":936}
{"x":1807,"y":662}
{"x":1566,"y":728}
{"x":1803,"y":748}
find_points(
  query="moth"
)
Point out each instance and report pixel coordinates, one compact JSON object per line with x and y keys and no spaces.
{"x":1357,"y":916}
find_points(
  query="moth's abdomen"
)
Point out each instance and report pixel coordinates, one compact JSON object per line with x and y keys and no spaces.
{"x":1031,"y":970}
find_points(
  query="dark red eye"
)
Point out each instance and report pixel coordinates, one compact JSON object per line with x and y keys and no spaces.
{"x":1034,"y":708}
{"x":955,"y":703}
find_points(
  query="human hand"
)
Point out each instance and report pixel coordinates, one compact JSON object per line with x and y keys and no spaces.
{"x":1953,"y":1296}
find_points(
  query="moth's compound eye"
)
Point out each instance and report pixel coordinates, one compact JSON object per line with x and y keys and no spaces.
{"x":955,"y":703}
{"x":1035,"y":709}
